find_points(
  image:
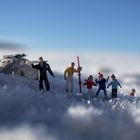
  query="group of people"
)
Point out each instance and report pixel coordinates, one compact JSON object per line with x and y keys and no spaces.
{"x":43,"y":67}
{"x":101,"y":83}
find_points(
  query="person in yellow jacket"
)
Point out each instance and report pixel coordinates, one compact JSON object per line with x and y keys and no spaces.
{"x":68,"y":76}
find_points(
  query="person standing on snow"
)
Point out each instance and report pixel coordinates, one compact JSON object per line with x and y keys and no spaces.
{"x":68,"y":76}
{"x":90,"y":83}
{"x":132,"y":93}
{"x":114,"y":83}
{"x":43,"y":67}
{"x":102,"y":84}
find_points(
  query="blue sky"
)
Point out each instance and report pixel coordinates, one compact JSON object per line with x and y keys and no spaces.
{"x":111,"y":25}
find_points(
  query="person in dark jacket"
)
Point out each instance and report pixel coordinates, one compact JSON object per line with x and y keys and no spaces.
{"x":43,"y":67}
{"x":102,"y":84}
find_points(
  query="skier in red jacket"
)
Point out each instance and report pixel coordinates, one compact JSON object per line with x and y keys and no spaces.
{"x":90,"y":83}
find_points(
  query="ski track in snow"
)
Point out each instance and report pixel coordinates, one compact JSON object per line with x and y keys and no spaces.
{"x":27,"y":114}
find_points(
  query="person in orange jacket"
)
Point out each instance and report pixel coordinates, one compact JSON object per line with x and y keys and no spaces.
{"x":89,"y":83}
{"x":68,"y":76}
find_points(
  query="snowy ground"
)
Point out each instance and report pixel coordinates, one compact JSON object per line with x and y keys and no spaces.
{"x":26,"y":114}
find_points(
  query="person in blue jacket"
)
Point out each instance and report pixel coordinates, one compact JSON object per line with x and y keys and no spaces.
{"x":102,"y":84}
{"x":114,"y":83}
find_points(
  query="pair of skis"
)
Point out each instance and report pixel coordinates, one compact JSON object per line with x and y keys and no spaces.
{"x":79,"y":76}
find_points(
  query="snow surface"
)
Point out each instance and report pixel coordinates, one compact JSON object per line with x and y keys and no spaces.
{"x":27,"y":114}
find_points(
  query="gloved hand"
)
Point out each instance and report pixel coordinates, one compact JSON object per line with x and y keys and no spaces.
{"x":53,"y":76}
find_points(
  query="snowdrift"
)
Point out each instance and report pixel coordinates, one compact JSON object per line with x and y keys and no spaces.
{"x":27,"y":114}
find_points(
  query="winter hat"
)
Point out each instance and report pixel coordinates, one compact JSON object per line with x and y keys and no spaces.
{"x":113,"y":76}
{"x":133,"y":90}
{"x":100,"y":75}
{"x":90,"y":76}
{"x":72,"y":63}
{"x":41,"y":58}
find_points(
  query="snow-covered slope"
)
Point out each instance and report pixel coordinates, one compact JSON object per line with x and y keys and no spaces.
{"x":27,"y":114}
